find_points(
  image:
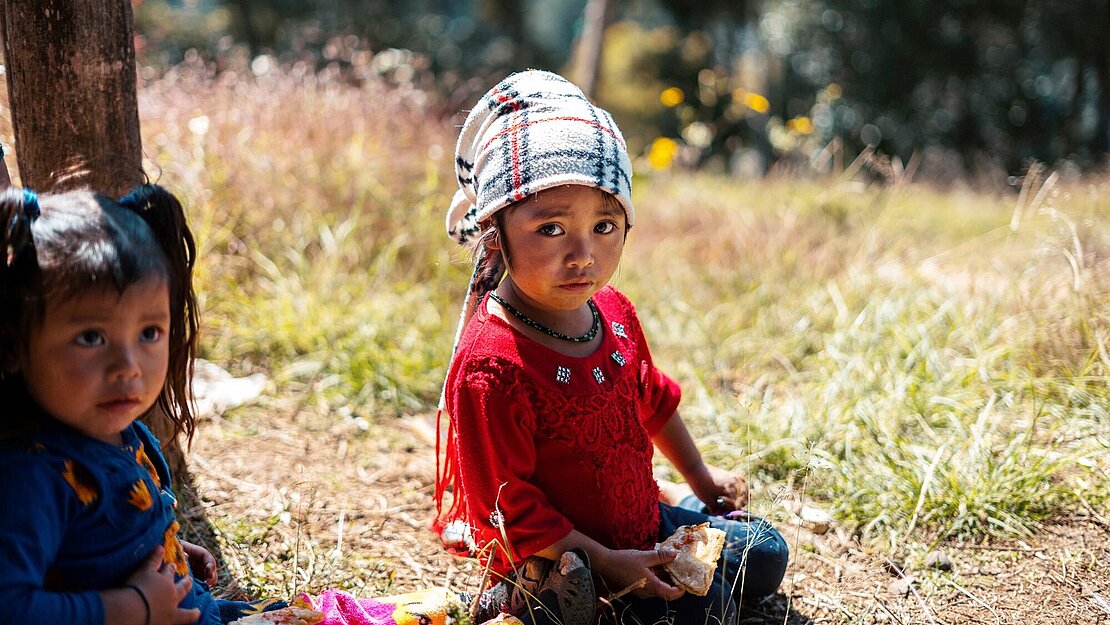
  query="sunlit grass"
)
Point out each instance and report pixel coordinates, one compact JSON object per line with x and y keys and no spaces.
{"x":921,"y":359}
{"x":320,"y":261}
{"x":927,"y":365}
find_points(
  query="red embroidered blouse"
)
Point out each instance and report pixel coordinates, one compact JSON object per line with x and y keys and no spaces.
{"x":554,"y":442}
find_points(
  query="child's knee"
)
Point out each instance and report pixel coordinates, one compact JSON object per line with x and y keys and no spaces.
{"x":758,"y":562}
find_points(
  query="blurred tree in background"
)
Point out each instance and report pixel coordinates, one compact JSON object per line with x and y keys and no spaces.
{"x":1011,"y":79}
{"x":956,"y":87}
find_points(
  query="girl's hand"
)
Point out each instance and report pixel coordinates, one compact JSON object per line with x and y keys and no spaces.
{"x":163,"y":595}
{"x":720,"y":490}
{"x":201,"y":563}
{"x":624,"y":568}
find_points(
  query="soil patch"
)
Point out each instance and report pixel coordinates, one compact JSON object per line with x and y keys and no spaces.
{"x":291,"y":500}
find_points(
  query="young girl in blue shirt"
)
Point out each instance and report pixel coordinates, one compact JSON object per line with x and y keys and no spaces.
{"x":98,"y":325}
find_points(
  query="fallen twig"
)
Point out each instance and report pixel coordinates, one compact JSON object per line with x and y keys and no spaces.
{"x":636,"y":585}
{"x":1092,"y":593}
{"x":893,"y":566}
{"x":972,"y":597}
{"x":1095,"y":516}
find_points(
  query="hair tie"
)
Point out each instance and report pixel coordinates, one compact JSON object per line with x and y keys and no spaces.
{"x":131,"y":200}
{"x":31,"y":204}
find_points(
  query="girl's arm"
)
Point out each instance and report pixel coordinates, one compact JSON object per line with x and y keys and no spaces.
{"x":123,"y":606}
{"x":38,"y":505}
{"x":620,"y":568}
{"x":708,"y":482}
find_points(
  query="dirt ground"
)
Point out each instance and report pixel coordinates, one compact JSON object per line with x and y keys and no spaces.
{"x":350,"y":504}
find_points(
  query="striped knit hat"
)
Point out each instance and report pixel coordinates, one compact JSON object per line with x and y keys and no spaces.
{"x":533,"y":131}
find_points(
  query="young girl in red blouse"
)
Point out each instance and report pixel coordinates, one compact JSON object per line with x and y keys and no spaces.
{"x":554,"y":403}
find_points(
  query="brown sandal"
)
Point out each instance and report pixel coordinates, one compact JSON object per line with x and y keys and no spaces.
{"x":544,"y":593}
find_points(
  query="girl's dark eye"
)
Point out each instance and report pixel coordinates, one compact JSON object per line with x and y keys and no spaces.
{"x":90,"y":338}
{"x":151,"y":334}
{"x":605,"y":227}
{"x":550,"y":230}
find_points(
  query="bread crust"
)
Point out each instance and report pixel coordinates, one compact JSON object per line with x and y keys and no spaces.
{"x":291,"y":615}
{"x":698,"y":548}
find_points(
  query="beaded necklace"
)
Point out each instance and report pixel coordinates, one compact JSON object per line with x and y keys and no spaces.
{"x":585,"y":338}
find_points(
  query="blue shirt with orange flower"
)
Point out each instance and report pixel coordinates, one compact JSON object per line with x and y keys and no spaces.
{"x":77,"y":516}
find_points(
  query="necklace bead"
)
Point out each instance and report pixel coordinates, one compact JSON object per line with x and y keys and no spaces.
{"x":585,"y":338}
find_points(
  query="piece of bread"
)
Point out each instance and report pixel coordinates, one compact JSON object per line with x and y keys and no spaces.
{"x":284,"y":616}
{"x":698,"y":547}
{"x":504,"y":619}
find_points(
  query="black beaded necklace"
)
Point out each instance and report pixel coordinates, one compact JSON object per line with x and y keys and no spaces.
{"x":585,"y":338}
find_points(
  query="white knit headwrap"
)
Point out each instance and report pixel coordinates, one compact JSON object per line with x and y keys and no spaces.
{"x":533,"y":131}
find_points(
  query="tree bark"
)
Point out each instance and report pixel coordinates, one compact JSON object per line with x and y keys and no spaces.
{"x":71,"y":85}
{"x":75,"y":110}
{"x":595,"y":18}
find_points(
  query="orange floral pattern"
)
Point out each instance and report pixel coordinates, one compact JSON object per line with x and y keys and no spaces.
{"x":174,"y":552}
{"x":79,"y":480}
{"x":140,"y":496}
{"x":144,"y":462}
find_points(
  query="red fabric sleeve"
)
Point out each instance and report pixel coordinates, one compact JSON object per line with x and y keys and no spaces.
{"x":659,"y":394}
{"x":497,"y":457}
{"x":659,"y":401}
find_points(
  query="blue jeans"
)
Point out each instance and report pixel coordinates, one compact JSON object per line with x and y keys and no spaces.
{"x":751,"y":566}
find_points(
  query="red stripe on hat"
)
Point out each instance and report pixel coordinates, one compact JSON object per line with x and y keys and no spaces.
{"x":505,"y":97}
{"x":514,"y":141}
{"x":517,"y":195}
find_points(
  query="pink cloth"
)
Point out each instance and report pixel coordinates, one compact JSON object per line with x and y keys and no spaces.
{"x":341,"y":608}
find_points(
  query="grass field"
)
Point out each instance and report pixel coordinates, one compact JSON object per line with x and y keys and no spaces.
{"x":929,"y":364}
{"x":919,"y":357}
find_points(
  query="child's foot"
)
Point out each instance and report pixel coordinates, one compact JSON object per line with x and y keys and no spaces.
{"x":544,"y":592}
{"x":672,"y":493}
{"x":568,"y":591}
{"x":511,"y":596}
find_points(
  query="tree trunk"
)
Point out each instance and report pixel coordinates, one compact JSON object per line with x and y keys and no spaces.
{"x":75,"y":110}
{"x":595,"y":18}
{"x":71,"y":85}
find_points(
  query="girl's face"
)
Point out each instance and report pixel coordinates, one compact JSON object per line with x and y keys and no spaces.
{"x":563,"y":245}
{"x":98,"y":361}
